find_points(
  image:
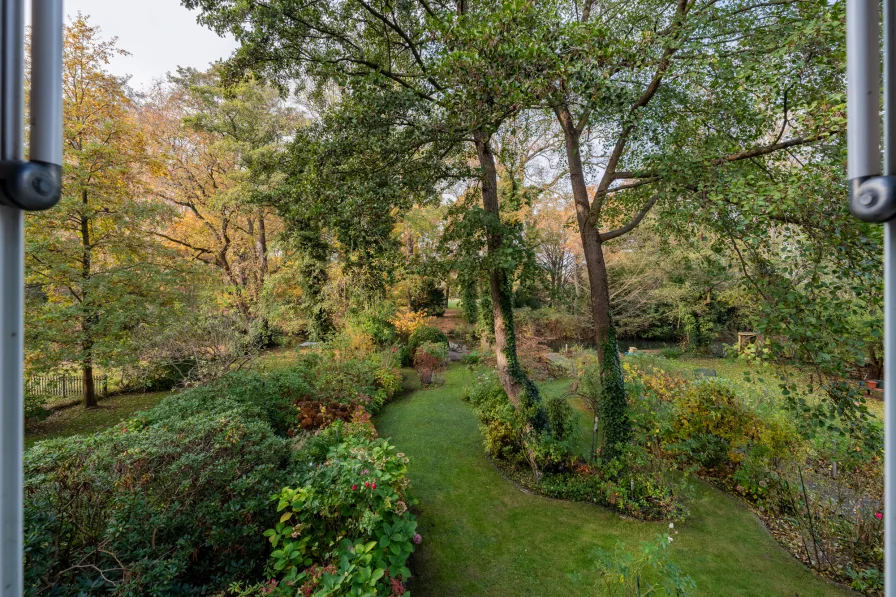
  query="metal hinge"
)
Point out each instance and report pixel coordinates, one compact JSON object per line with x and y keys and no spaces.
{"x":873,"y":198}
{"x":31,"y":186}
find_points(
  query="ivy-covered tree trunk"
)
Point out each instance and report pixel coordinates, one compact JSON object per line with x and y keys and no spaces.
{"x":469,"y":298}
{"x":313,"y":278}
{"x":614,"y":403}
{"x":522,"y":392}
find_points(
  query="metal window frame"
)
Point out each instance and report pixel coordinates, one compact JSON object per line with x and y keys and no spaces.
{"x":24,"y":186}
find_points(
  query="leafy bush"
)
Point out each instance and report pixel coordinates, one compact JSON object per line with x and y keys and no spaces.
{"x":497,"y":419}
{"x":818,"y":487}
{"x":715,"y":429}
{"x":420,"y":336}
{"x":407,"y":322}
{"x":374,"y":322}
{"x":372,"y":380}
{"x":174,"y":501}
{"x":172,"y":508}
{"x":429,"y":297}
{"x":346,"y":528}
{"x":268,"y":397}
{"x":646,"y":571}
{"x":639,"y":482}
{"x":636,"y":483}
{"x":474,"y":357}
{"x":429,"y":358}
{"x":36,"y":408}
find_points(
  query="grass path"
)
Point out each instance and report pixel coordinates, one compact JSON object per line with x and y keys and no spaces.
{"x":77,"y":420}
{"x":484,"y":537}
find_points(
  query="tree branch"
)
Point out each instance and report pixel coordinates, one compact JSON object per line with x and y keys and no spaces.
{"x":631,"y":225}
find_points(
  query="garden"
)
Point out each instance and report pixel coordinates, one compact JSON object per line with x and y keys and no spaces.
{"x":441,"y":299}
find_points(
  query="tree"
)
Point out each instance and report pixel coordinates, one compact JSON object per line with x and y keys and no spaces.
{"x":96,"y":276}
{"x":619,"y":76}
{"x":349,"y":178}
{"x":412,"y":51}
{"x":215,"y":147}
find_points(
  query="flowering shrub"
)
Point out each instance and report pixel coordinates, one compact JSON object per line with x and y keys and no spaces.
{"x":345,"y":529}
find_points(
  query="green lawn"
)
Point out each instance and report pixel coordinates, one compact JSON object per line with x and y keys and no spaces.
{"x":758,"y":380}
{"x":77,"y":420}
{"x":483,"y":536}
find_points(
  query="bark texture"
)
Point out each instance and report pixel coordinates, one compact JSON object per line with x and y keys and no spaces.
{"x":520,"y":389}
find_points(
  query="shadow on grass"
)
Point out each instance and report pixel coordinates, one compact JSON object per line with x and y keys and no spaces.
{"x":77,"y":420}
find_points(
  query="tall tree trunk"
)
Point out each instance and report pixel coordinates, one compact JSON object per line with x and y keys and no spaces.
{"x":88,"y":317}
{"x":614,"y":402}
{"x":261,"y":257}
{"x":595,"y":264}
{"x":520,"y":389}
{"x":90,"y":400}
{"x":261,"y":249}
{"x":411,"y":248}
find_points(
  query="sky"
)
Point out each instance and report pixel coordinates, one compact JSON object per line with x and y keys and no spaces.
{"x":160,"y":35}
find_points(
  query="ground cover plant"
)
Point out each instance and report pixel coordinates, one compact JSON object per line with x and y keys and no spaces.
{"x":177,"y":499}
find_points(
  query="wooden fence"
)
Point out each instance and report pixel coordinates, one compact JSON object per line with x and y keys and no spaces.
{"x":64,"y":386}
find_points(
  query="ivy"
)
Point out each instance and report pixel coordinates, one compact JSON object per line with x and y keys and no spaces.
{"x":614,"y":402}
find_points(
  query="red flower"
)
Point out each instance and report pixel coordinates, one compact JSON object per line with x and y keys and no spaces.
{"x":878,"y":515}
{"x":366,"y":483}
{"x":374,"y":485}
{"x":354,"y":488}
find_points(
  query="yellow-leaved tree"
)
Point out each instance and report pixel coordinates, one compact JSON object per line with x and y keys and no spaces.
{"x":94,"y":275}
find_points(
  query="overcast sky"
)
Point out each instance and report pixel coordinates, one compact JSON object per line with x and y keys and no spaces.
{"x":160,"y":35}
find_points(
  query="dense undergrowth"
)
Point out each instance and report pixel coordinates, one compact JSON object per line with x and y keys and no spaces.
{"x":818,"y":486}
{"x":819,"y":490}
{"x":178,"y":499}
{"x":638,"y":482}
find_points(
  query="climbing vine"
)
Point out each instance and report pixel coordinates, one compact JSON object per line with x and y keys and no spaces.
{"x":469,"y":298}
{"x":614,"y":403}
